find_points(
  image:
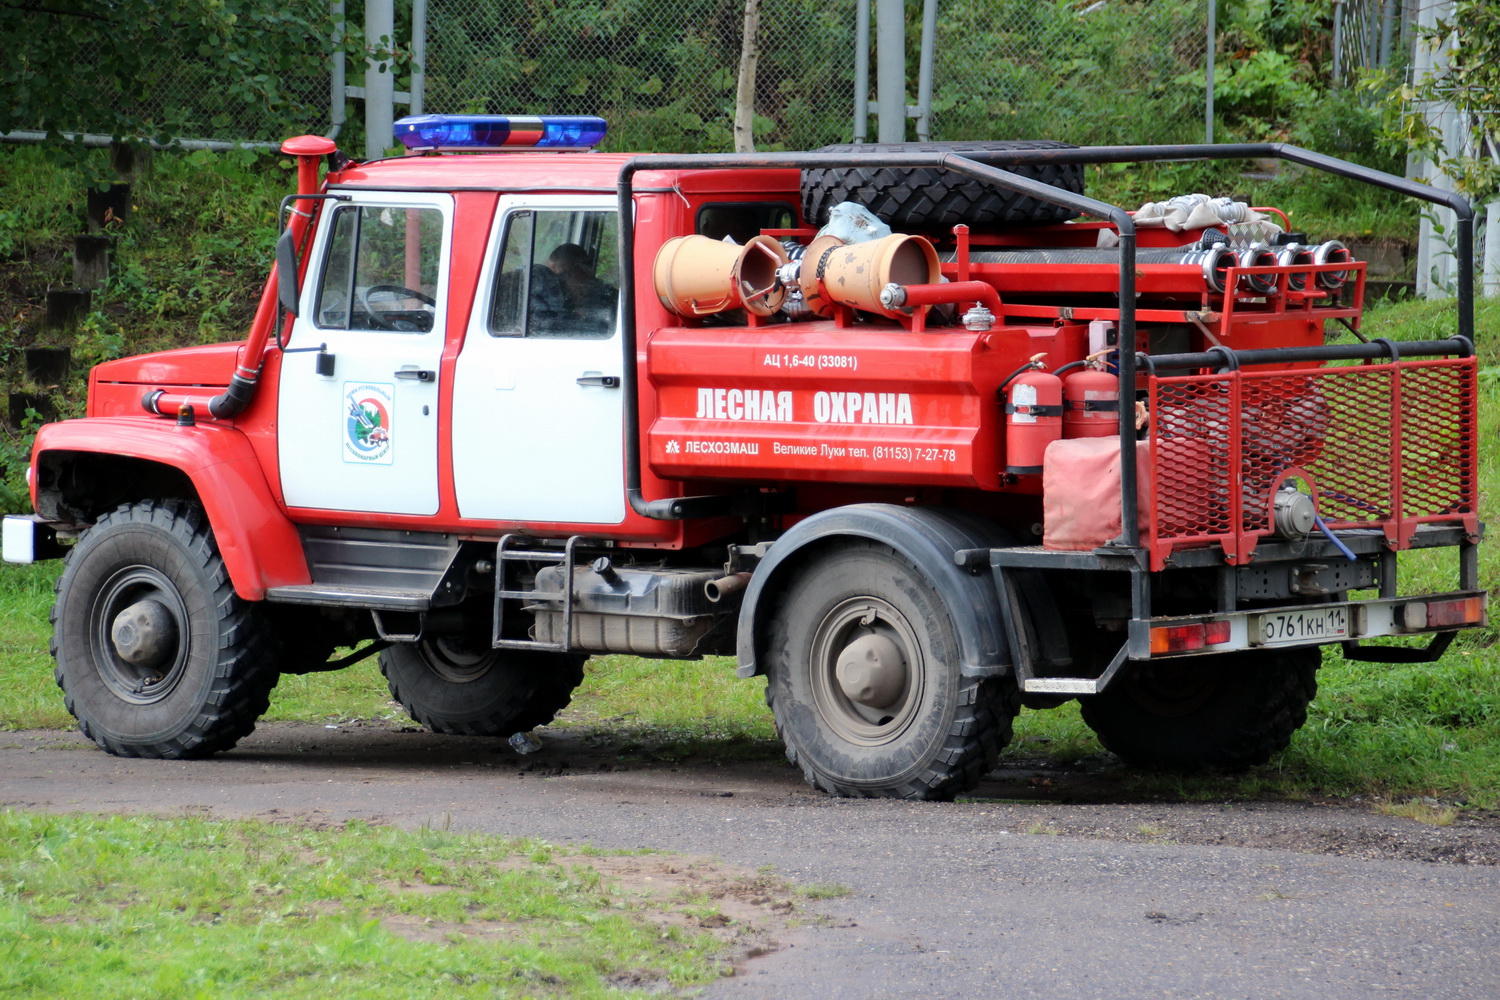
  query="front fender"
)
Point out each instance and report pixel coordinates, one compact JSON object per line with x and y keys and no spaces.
{"x":260,"y":547}
{"x":928,"y":539}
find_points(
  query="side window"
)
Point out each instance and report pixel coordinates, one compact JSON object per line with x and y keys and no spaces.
{"x":742,"y":221}
{"x":381,"y":270}
{"x":558,"y":275}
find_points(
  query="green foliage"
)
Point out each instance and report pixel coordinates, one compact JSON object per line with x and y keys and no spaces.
{"x":158,"y":70}
{"x":1470,"y":82}
{"x":1060,"y":70}
{"x":1263,"y":90}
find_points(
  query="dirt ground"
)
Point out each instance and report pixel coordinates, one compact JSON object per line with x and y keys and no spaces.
{"x":1326,"y":899}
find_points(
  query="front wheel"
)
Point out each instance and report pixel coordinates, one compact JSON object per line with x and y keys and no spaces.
{"x":865,"y":683}
{"x":452,"y":687}
{"x":155,"y":654}
{"x":1229,"y":711}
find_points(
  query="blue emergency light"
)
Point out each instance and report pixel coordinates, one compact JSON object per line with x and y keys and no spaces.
{"x":473,"y":133}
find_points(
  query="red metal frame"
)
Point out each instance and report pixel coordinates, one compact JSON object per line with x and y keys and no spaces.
{"x":1386,"y":447}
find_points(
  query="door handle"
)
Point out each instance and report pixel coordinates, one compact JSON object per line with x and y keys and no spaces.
{"x":417,"y":374}
{"x":607,"y":381}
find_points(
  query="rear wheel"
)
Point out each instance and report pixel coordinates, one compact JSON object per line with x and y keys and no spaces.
{"x":865,"y":683}
{"x":1229,"y":711}
{"x":156,"y":655}
{"x":451,"y":687}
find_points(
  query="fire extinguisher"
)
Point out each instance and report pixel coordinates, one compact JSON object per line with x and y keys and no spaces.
{"x":1033,"y":416}
{"x":1091,"y":401}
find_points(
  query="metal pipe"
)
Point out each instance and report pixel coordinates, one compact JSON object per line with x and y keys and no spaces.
{"x":1208,"y":90}
{"x":418,"y":55}
{"x":1374,"y":350}
{"x":94,"y":141}
{"x":380,"y":83}
{"x":861,"y":70}
{"x":924,"y":73}
{"x":337,"y":82}
{"x":1337,"y":77}
{"x":890,"y":70}
{"x":717,"y":590}
{"x":948,"y":293}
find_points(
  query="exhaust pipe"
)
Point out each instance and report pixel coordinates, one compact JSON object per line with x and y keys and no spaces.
{"x":717,"y":590}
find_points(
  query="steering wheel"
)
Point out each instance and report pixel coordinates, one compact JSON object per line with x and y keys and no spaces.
{"x":380,"y":318}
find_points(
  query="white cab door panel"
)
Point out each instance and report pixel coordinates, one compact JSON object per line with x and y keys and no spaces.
{"x":361,"y":434}
{"x":537,"y":411}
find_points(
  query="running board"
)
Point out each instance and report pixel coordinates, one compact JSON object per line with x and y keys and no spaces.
{"x":1075,"y":685}
{"x":377,"y":598}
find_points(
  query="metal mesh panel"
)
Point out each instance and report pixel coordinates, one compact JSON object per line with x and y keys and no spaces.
{"x":1380,"y":446}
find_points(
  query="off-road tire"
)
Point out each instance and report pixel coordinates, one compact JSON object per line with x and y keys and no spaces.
{"x":931,"y":201}
{"x":1225,"y":712}
{"x":217,"y":665}
{"x":462,"y":691}
{"x":946,"y":730}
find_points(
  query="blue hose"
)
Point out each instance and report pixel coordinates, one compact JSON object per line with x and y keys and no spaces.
{"x":1323,"y":527}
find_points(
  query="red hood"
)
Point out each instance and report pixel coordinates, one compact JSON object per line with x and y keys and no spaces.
{"x":211,"y":365}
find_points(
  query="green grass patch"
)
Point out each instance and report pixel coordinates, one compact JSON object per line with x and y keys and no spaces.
{"x":674,"y":708}
{"x":141,"y":907}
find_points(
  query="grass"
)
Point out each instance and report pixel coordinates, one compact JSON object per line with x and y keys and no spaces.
{"x":188,"y":908}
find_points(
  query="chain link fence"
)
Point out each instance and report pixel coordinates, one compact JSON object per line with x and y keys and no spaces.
{"x":1370,"y":35}
{"x":174,"y":89}
{"x":663,"y":72}
{"x":1089,"y":73}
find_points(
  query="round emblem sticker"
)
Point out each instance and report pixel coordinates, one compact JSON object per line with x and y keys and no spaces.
{"x":367,"y":423}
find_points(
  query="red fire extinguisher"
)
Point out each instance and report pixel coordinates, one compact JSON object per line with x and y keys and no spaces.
{"x":1091,"y":402}
{"x":1033,"y":416}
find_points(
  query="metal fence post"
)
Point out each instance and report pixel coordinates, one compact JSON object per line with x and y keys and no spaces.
{"x":418,"y":55}
{"x":924,"y":72}
{"x":890,"y":69}
{"x":1338,"y":43}
{"x":861,"y":70}
{"x":1212,"y":46}
{"x":380,"y":83}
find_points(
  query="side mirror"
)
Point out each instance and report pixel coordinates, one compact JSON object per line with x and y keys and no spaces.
{"x":286,"y":272}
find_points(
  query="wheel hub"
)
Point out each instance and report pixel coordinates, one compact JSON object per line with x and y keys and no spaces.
{"x":872,"y":671}
{"x":144,"y":634}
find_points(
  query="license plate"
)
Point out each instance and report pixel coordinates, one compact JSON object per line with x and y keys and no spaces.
{"x":1279,"y":628}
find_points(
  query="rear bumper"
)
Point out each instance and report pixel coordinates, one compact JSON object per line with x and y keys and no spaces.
{"x":1306,"y":625}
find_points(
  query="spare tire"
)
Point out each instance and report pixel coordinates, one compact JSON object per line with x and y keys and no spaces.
{"x":926,"y":199}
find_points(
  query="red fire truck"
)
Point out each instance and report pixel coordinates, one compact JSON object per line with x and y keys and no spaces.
{"x":921,"y":432}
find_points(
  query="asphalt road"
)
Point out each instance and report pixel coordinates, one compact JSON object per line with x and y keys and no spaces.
{"x":1021,"y":892}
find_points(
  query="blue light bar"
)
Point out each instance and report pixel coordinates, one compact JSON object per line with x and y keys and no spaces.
{"x":471,"y":133}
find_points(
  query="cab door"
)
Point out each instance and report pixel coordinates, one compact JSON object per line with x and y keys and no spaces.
{"x":538,"y":423}
{"x":358,"y":420}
